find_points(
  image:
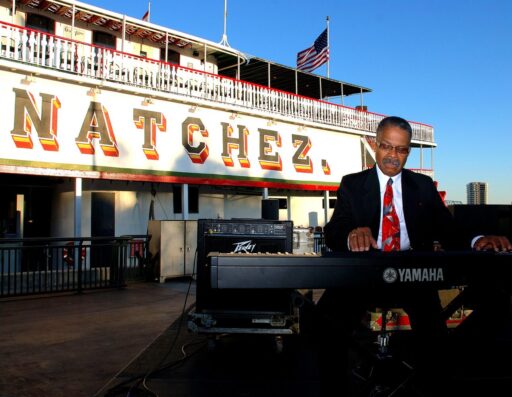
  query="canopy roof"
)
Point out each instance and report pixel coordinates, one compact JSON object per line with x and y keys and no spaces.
{"x":285,"y":78}
{"x":252,"y":69}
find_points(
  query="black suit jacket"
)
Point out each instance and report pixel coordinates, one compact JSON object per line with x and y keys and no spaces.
{"x":358,"y":205}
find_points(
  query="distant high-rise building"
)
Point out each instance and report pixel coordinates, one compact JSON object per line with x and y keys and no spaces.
{"x":477,"y":192}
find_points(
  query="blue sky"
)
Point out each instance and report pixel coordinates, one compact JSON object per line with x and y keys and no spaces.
{"x":447,"y":63}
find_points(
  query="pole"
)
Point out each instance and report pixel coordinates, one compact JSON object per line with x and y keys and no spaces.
{"x":289,"y":207}
{"x":329,"y":49}
{"x":184,"y":201}
{"x":432,"y":160}
{"x":205,"y":49}
{"x":166,"y":45}
{"x":268,"y":75}
{"x":78,"y":208}
{"x":122,"y":43}
{"x":224,"y":40}
{"x":124,"y":33}
{"x":421,"y":156}
{"x":237,"y":66}
{"x":73,"y":21}
{"x":326,"y":207}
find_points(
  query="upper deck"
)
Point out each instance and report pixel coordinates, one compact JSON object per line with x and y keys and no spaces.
{"x":100,"y":48}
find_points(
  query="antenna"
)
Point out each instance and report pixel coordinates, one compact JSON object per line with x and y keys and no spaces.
{"x":224,"y":40}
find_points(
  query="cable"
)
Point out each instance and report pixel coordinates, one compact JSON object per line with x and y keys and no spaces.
{"x":121,"y":387}
{"x":157,"y":368}
{"x":162,"y":207}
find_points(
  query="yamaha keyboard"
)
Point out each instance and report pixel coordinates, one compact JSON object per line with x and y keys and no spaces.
{"x":406,"y":269}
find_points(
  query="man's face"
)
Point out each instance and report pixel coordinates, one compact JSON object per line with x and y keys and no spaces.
{"x":392,"y":150}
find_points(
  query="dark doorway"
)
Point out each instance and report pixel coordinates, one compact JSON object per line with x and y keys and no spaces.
{"x":103,"y":220}
{"x":35,"y":195}
{"x":103,"y":224}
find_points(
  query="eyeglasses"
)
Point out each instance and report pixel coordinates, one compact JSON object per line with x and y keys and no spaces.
{"x":403,"y":150}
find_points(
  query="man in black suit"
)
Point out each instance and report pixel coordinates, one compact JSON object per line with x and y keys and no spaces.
{"x":421,"y":222}
{"x":425,"y":222}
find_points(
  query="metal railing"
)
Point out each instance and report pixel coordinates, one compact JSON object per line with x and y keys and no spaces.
{"x":82,"y":59}
{"x":48,"y":265}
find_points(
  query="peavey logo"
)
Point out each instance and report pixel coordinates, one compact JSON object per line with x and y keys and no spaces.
{"x":244,"y":246}
{"x":390,"y":275}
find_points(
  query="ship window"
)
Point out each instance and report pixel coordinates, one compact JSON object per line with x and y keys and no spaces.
{"x":193,"y":199}
{"x":172,"y":56}
{"x":332,"y":203}
{"x":103,"y":39}
{"x":40,"y":22}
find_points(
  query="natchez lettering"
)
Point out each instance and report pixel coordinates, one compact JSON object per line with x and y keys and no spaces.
{"x":97,"y":125}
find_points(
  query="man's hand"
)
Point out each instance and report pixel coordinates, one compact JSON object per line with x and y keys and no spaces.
{"x":360,"y":239}
{"x":496,"y":243}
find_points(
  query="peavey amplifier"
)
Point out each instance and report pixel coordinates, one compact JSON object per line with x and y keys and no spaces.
{"x":239,"y":235}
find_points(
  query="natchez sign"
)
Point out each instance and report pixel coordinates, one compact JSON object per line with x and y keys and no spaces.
{"x":56,"y":126}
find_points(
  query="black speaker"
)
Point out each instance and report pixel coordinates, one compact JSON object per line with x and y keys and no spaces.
{"x":242,"y":236}
{"x":270,"y":209}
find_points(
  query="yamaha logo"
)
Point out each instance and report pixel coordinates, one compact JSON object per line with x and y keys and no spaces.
{"x":413,"y":275}
{"x":390,"y":275}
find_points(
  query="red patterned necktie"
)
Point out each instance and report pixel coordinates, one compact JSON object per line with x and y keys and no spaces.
{"x":390,"y":222}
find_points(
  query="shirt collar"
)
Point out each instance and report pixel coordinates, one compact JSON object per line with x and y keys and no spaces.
{"x":383,"y":179}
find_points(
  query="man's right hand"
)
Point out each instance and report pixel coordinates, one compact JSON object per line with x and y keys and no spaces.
{"x":361,"y":239}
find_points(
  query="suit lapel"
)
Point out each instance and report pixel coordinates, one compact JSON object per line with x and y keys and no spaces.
{"x":410,"y":201}
{"x":372,"y":196}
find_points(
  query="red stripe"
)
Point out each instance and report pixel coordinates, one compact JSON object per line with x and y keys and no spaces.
{"x":220,"y":182}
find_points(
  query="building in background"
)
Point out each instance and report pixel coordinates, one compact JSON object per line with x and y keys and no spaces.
{"x":477,"y":192}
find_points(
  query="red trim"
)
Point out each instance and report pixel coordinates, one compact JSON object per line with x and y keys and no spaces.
{"x":120,"y":176}
{"x":210,"y":181}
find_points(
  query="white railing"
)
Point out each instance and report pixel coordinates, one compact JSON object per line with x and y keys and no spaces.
{"x":425,"y":171}
{"x":49,"y":51}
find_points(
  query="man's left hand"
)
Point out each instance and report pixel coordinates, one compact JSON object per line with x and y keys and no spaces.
{"x":496,"y":243}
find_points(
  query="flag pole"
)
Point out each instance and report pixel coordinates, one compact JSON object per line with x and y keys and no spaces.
{"x":224,"y":40}
{"x":328,"y":49}
{"x":149,"y":11}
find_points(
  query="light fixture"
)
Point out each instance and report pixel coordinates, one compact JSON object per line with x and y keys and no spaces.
{"x":147,"y":102}
{"x":27,"y":80}
{"x":234,"y":115}
{"x":302,"y":127}
{"x":192,"y":109}
{"x":271,"y":122}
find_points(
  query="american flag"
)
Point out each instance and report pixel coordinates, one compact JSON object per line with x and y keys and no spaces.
{"x":314,"y":56}
{"x":146,"y":15}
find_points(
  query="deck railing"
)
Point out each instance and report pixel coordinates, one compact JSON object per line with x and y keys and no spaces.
{"x":82,"y":59}
{"x":425,"y":171}
{"x":49,"y":265}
